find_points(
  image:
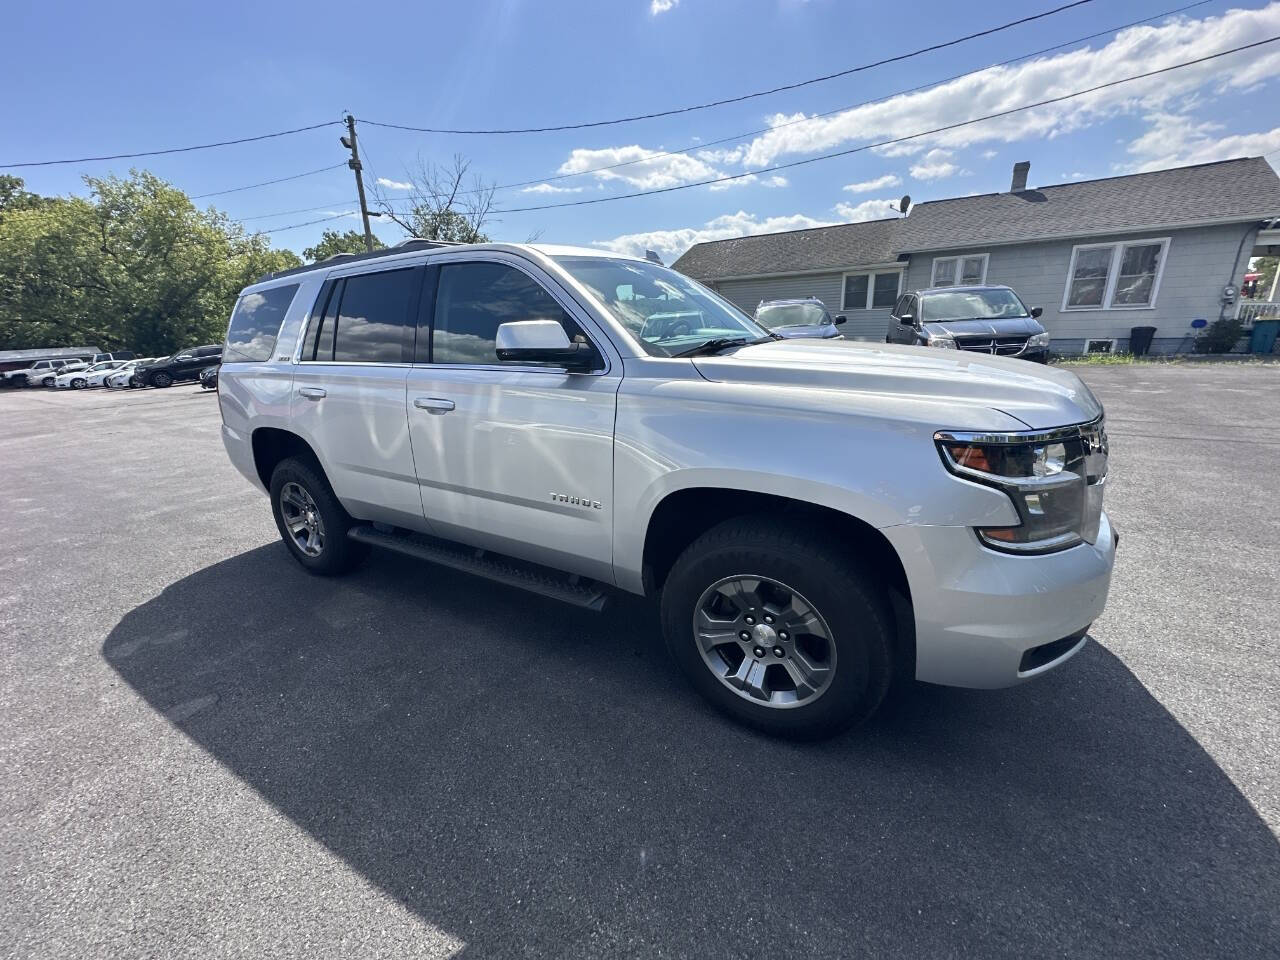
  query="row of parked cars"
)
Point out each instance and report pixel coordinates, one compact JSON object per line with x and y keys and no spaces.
{"x":979,"y":319}
{"x":123,"y":370}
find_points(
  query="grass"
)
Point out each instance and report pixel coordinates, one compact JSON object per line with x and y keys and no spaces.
{"x":1113,"y":359}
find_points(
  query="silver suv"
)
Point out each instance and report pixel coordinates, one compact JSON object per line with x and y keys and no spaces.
{"x":816,"y":519}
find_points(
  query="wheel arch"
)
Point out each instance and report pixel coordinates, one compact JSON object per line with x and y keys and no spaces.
{"x":272,"y":444}
{"x":683,"y":515}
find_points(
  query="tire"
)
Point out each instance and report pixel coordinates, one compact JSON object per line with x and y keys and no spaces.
{"x":79,"y":383}
{"x":161,"y":379}
{"x":336,"y":553}
{"x":796,"y":562}
{"x":47,"y":382}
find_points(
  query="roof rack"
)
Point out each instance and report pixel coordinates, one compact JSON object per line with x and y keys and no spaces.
{"x":404,"y":246}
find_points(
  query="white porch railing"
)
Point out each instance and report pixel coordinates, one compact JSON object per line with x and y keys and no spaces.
{"x":1251,"y":310}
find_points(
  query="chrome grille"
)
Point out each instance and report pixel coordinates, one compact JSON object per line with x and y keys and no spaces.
{"x":1001,"y":346}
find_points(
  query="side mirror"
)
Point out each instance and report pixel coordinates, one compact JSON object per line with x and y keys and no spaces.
{"x":1036,"y":311}
{"x":542,"y":341}
{"x":840,"y":318}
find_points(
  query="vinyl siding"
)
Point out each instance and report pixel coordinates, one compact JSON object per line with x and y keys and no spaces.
{"x":1200,"y":262}
{"x":827,"y":287}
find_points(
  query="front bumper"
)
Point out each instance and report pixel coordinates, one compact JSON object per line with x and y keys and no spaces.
{"x":978,"y":612}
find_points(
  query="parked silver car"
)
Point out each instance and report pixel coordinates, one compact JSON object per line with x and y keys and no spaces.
{"x":814,"y":520}
{"x":799,"y":319}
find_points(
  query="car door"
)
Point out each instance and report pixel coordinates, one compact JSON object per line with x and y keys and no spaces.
{"x":348,"y":397}
{"x":903,"y":322}
{"x":511,"y":457}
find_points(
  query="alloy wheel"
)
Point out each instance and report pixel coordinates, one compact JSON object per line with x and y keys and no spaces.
{"x":764,"y":641}
{"x":302,"y":518}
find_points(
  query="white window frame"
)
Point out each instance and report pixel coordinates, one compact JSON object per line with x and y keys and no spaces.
{"x":933,"y":269}
{"x":871,"y":288}
{"x":1113,"y":273}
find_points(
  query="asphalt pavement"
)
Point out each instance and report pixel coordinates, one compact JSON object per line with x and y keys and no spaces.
{"x":207,"y":752}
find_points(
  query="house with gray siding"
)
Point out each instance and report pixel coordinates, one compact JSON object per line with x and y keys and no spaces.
{"x":1161,"y":249}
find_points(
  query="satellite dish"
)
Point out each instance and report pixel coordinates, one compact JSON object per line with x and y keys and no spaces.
{"x":904,"y":203}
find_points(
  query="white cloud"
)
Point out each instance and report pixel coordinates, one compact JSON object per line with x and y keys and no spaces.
{"x":934,"y":166}
{"x":777,"y":180}
{"x":866,"y":210}
{"x":1175,"y":140}
{"x":394,"y":184}
{"x":879,"y":183}
{"x":661,"y":6}
{"x":722,"y":155}
{"x":670,"y":244}
{"x":551,"y":188}
{"x":990,"y":154}
{"x":643,"y":170}
{"x":1136,"y":50}
{"x":1074,"y":175}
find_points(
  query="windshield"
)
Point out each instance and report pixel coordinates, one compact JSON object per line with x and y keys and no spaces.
{"x":775,"y":315}
{"x":971,"y":305}
{"x":665,"y":311}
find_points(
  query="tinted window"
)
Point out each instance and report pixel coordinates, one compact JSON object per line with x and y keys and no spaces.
{"x":323,"y":322}
{"x":885,"y":290}
{"x":973,"y":305}
{"x":855,"y":291}
{"x":472,"y":299}
{"x":255,"y":323}
{"x":372,"y":317}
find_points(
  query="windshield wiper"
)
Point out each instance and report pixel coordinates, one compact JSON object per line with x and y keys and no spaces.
{"x":716,"y":344}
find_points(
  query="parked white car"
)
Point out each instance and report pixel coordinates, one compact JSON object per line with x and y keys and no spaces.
{"x":119,"y":379}
{"x":46,"y":378}
{"x":88,"y":377}
{"x":814,"y":519}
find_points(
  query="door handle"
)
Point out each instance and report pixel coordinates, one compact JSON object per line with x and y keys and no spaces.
{"x":434,"y":405}
{"x":312,"y":393}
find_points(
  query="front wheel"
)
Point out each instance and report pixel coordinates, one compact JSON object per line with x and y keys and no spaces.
{"x":778,"y":628}
{"x":47,"y":382}
{"x":310,"y":519}
{"x":79,"y":383}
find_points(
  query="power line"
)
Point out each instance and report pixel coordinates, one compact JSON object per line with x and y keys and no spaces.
{"x":889,"y":142}
{"x":267,"y":183}
{"x":733,"y":138}
{"x":157,"y":153}
{"x":746,"y":96}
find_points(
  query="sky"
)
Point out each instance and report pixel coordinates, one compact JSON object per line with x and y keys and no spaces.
{"x":97,"y":79}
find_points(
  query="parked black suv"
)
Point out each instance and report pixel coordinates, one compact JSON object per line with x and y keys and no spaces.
{"x":978,"y":319}
{"x":183,"y":365}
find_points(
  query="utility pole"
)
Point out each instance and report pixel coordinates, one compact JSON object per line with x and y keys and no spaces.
{"x":349,"y":141}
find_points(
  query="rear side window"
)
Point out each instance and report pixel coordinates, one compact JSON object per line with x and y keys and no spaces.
{"x":255,"y":322}
{"x":366,"y":319}
{"x":472,"y":299}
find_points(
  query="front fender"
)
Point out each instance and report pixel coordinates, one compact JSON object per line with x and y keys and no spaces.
{"x":880,"y":470}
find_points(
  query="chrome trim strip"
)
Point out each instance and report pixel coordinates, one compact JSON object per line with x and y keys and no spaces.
{"x":1030,"y":436}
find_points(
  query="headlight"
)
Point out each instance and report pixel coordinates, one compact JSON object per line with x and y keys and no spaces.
{"x":1039,"y":340}
{"x":1054,"y":479}
{"x":947,"y":343}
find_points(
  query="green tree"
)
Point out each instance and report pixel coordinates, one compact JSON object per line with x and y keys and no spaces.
{"x":1267,"y":267}
{"x":332,"y":243}
{"x":444,"y":202}
{"x":133,"y":265}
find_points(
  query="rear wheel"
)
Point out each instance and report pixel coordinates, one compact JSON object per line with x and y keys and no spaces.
{"x":161,"y":379}
{"x":310,"y":519}
{"x":778,"y":629}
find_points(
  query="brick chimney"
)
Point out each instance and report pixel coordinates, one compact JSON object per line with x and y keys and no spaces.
{"x":1020,"y":171}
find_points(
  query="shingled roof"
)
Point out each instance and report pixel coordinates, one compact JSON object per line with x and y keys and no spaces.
{"x":1229,"y":190}
{"x":795,"y":251}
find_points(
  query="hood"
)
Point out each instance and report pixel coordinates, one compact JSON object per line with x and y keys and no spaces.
{"x":820,"y":331}
{"x":963,"y":387}
{"x":1007,"y":327}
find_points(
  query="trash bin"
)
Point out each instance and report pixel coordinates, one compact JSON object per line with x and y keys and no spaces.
{"x":1140,"y":340}
{"x":1263,"y":339}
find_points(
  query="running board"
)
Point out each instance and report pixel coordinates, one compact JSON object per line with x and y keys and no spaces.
{"x":564,"y":587}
